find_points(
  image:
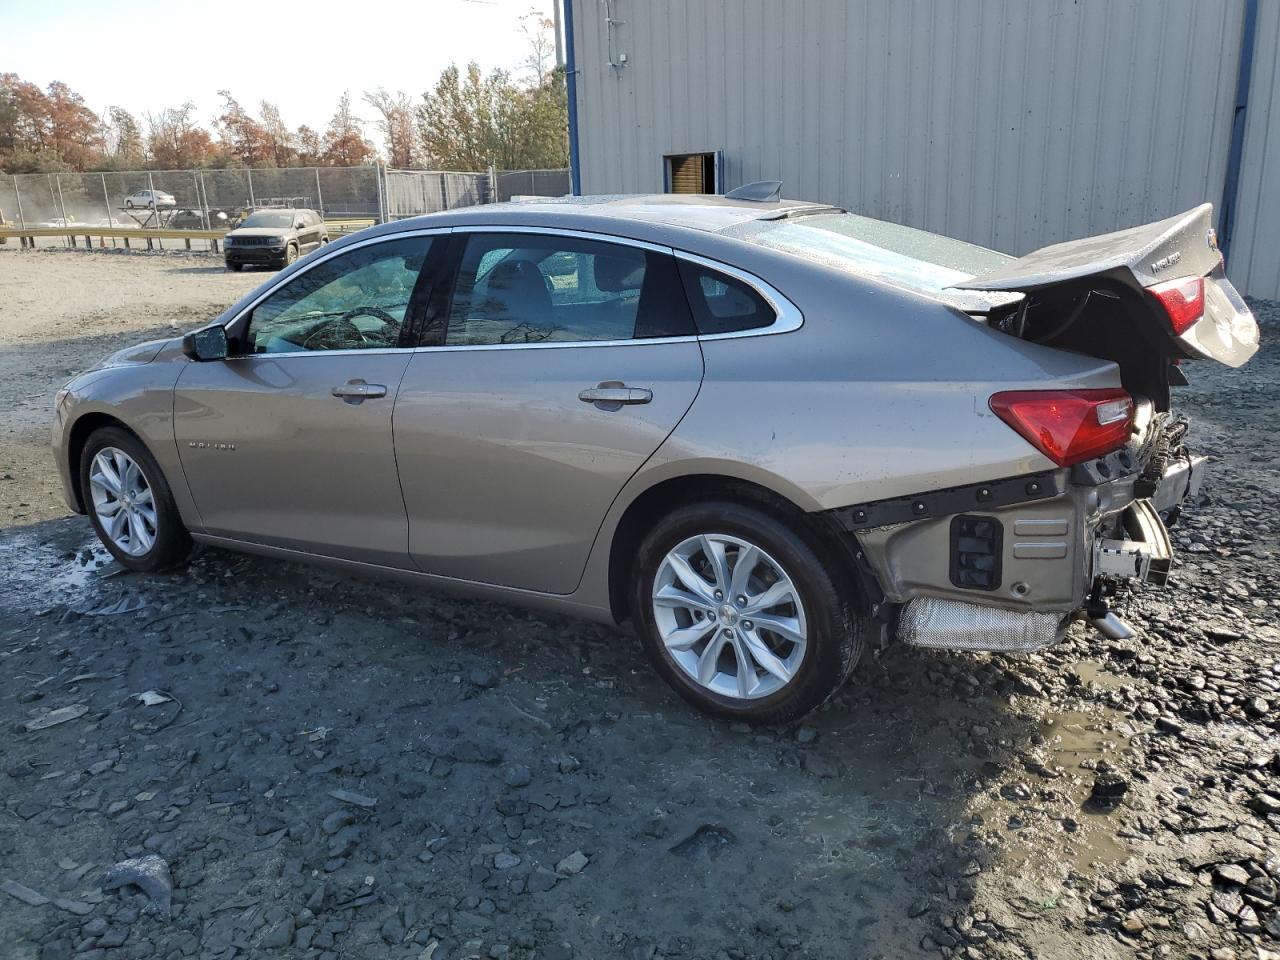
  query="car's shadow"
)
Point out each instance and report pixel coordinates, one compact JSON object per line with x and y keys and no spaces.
{"x":842,"y":837}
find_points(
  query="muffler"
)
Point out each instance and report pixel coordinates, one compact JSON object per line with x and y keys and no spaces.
{"x":956,"y":625}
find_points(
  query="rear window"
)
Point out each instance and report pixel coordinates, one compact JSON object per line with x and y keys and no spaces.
{"x":723,"y":304}
{"x":902,"y":256}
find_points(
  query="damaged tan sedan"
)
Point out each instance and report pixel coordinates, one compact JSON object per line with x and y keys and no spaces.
{"x":761,"y":431}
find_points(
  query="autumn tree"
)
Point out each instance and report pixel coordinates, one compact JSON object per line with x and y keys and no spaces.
{"x":75,"y":134}
{"x":344,"y":144}
{"x":24,"y":111}
{"x":310,"y":147}
{"x":175,"y":141}
{"x":396,"y":125}
{"x":241,"y":135}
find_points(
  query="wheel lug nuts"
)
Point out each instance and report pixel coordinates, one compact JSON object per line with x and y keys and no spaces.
{"x":741,"y":601}
{"x":748,"y":625}
{"x":719,"y":595}
{"x":728,"y":633}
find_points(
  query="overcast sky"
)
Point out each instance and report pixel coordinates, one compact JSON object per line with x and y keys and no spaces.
{"x":145,"y":55}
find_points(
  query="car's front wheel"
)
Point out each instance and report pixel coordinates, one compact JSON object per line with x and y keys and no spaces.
{"x":237,"y":267}
{"x":290,"y":254}
{"x":739,"y":613}
{"x":129,"y":502}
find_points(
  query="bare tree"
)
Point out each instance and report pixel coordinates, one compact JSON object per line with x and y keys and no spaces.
{"x":277,"y":136}
{"x":396,"y":125}
{"x":540,"y":33}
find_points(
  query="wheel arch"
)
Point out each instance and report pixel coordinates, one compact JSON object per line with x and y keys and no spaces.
{"x":83,"y":428}
{"x":672,"y":493}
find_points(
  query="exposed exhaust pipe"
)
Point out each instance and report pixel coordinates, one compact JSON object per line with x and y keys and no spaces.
{"x":1112,"y":627}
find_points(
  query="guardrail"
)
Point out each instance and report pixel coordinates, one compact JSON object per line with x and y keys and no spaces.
{"x":27,"y":235}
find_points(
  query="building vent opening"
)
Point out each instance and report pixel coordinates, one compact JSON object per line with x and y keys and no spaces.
{"x":692,"y":173}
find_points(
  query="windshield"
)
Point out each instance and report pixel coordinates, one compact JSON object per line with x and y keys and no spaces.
{"x":903,"y":256}
{"x":266,"y":219}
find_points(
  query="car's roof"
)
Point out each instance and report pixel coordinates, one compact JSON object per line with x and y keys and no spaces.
{"x":707,"y":212}
{"x":626,"y":215}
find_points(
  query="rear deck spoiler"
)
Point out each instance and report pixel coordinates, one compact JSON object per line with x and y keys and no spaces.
{"x":1180,"y":246}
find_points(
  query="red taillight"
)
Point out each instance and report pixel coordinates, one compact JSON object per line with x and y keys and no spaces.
{"x":1068,"y":426}
{"x":1183,"y":301}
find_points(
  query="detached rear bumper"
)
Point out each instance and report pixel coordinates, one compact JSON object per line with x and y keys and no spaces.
{"x":1011,"y":562}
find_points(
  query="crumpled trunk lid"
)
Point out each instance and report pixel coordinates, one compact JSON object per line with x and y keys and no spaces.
{"x":1097,"y":295}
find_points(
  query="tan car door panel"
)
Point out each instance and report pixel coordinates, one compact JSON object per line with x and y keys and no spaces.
{"x":507,"y":473}
{"x":272,"y":456}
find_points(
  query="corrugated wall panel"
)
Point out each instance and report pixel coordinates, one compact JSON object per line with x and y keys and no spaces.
{"x":1007,"y":123}
{"x":1255,"y":244}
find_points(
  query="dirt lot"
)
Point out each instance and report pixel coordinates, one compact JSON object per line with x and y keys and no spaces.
{"x":336,"y":768}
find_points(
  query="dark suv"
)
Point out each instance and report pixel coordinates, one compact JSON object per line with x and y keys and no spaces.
{"x":274,"y":238}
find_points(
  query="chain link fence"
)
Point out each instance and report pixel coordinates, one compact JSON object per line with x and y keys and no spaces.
{"x":216,"y":199}
{"x":509,"y":184}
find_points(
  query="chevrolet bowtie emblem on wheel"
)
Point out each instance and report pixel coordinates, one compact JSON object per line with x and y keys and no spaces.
{"x":202,"y":445}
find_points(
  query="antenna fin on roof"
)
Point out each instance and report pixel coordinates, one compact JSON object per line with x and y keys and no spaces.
{"x":762,"y":191}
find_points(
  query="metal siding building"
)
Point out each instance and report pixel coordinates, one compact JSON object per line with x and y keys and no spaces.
{"x":1006,"y":123}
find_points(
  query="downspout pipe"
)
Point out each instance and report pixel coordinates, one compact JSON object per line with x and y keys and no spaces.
{"x":571,"y":91}
{"x":1235,"y":156}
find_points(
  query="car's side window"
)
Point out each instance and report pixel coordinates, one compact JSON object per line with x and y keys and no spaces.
{"x":721,"y":303}
{"x":537,"y":288}
{"x":354,"y":301}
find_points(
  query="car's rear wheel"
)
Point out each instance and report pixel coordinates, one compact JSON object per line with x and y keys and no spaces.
{"x":739,"y":613}
{"x":129,"y":502}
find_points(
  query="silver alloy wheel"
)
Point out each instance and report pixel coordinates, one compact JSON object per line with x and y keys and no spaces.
{"x":729,"y":616}
{"x":123,"y":501}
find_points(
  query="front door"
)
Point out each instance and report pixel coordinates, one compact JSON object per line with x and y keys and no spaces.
{"x":288,"y":442}
{"x":564,"y":364}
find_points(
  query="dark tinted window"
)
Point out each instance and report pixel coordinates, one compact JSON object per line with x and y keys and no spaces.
{"x":723,"y":304}
{"x":533,"y":288}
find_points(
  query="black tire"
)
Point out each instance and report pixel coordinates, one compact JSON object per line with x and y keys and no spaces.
{"x":172,"y":541}
{"x":235,"y":267}
{"x":290,"y":254}
{"x":129,"y":204}
{"x":836,"y":622}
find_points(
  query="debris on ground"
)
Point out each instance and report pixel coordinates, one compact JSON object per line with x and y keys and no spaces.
{"x":150,"y":874}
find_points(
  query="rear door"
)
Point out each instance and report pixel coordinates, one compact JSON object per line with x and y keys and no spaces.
{"x":551,"y":370}
{"x":313,"y":228}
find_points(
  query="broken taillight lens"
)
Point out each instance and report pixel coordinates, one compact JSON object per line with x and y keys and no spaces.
{"x":1068,"y":426}
{"x":1183,"y":301}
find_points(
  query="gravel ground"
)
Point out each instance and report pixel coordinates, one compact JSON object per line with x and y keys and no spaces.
{"x":319,"y":766}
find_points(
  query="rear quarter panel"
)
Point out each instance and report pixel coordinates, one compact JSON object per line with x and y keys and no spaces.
{"x":880,"y":393}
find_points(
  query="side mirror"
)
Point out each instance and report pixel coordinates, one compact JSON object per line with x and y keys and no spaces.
{"x":207,"y":343}
{"x":298,"y":224}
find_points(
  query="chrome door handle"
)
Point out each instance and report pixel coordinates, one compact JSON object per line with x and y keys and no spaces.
{"x":357,"y":391}
{"x":611,"y":395}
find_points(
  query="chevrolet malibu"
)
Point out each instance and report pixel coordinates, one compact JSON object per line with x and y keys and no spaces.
{"x":765,"y":433}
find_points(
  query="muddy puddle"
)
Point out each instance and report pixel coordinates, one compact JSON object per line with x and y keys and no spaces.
{"x":39,"y":571}
{"x":1045,"y":823}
